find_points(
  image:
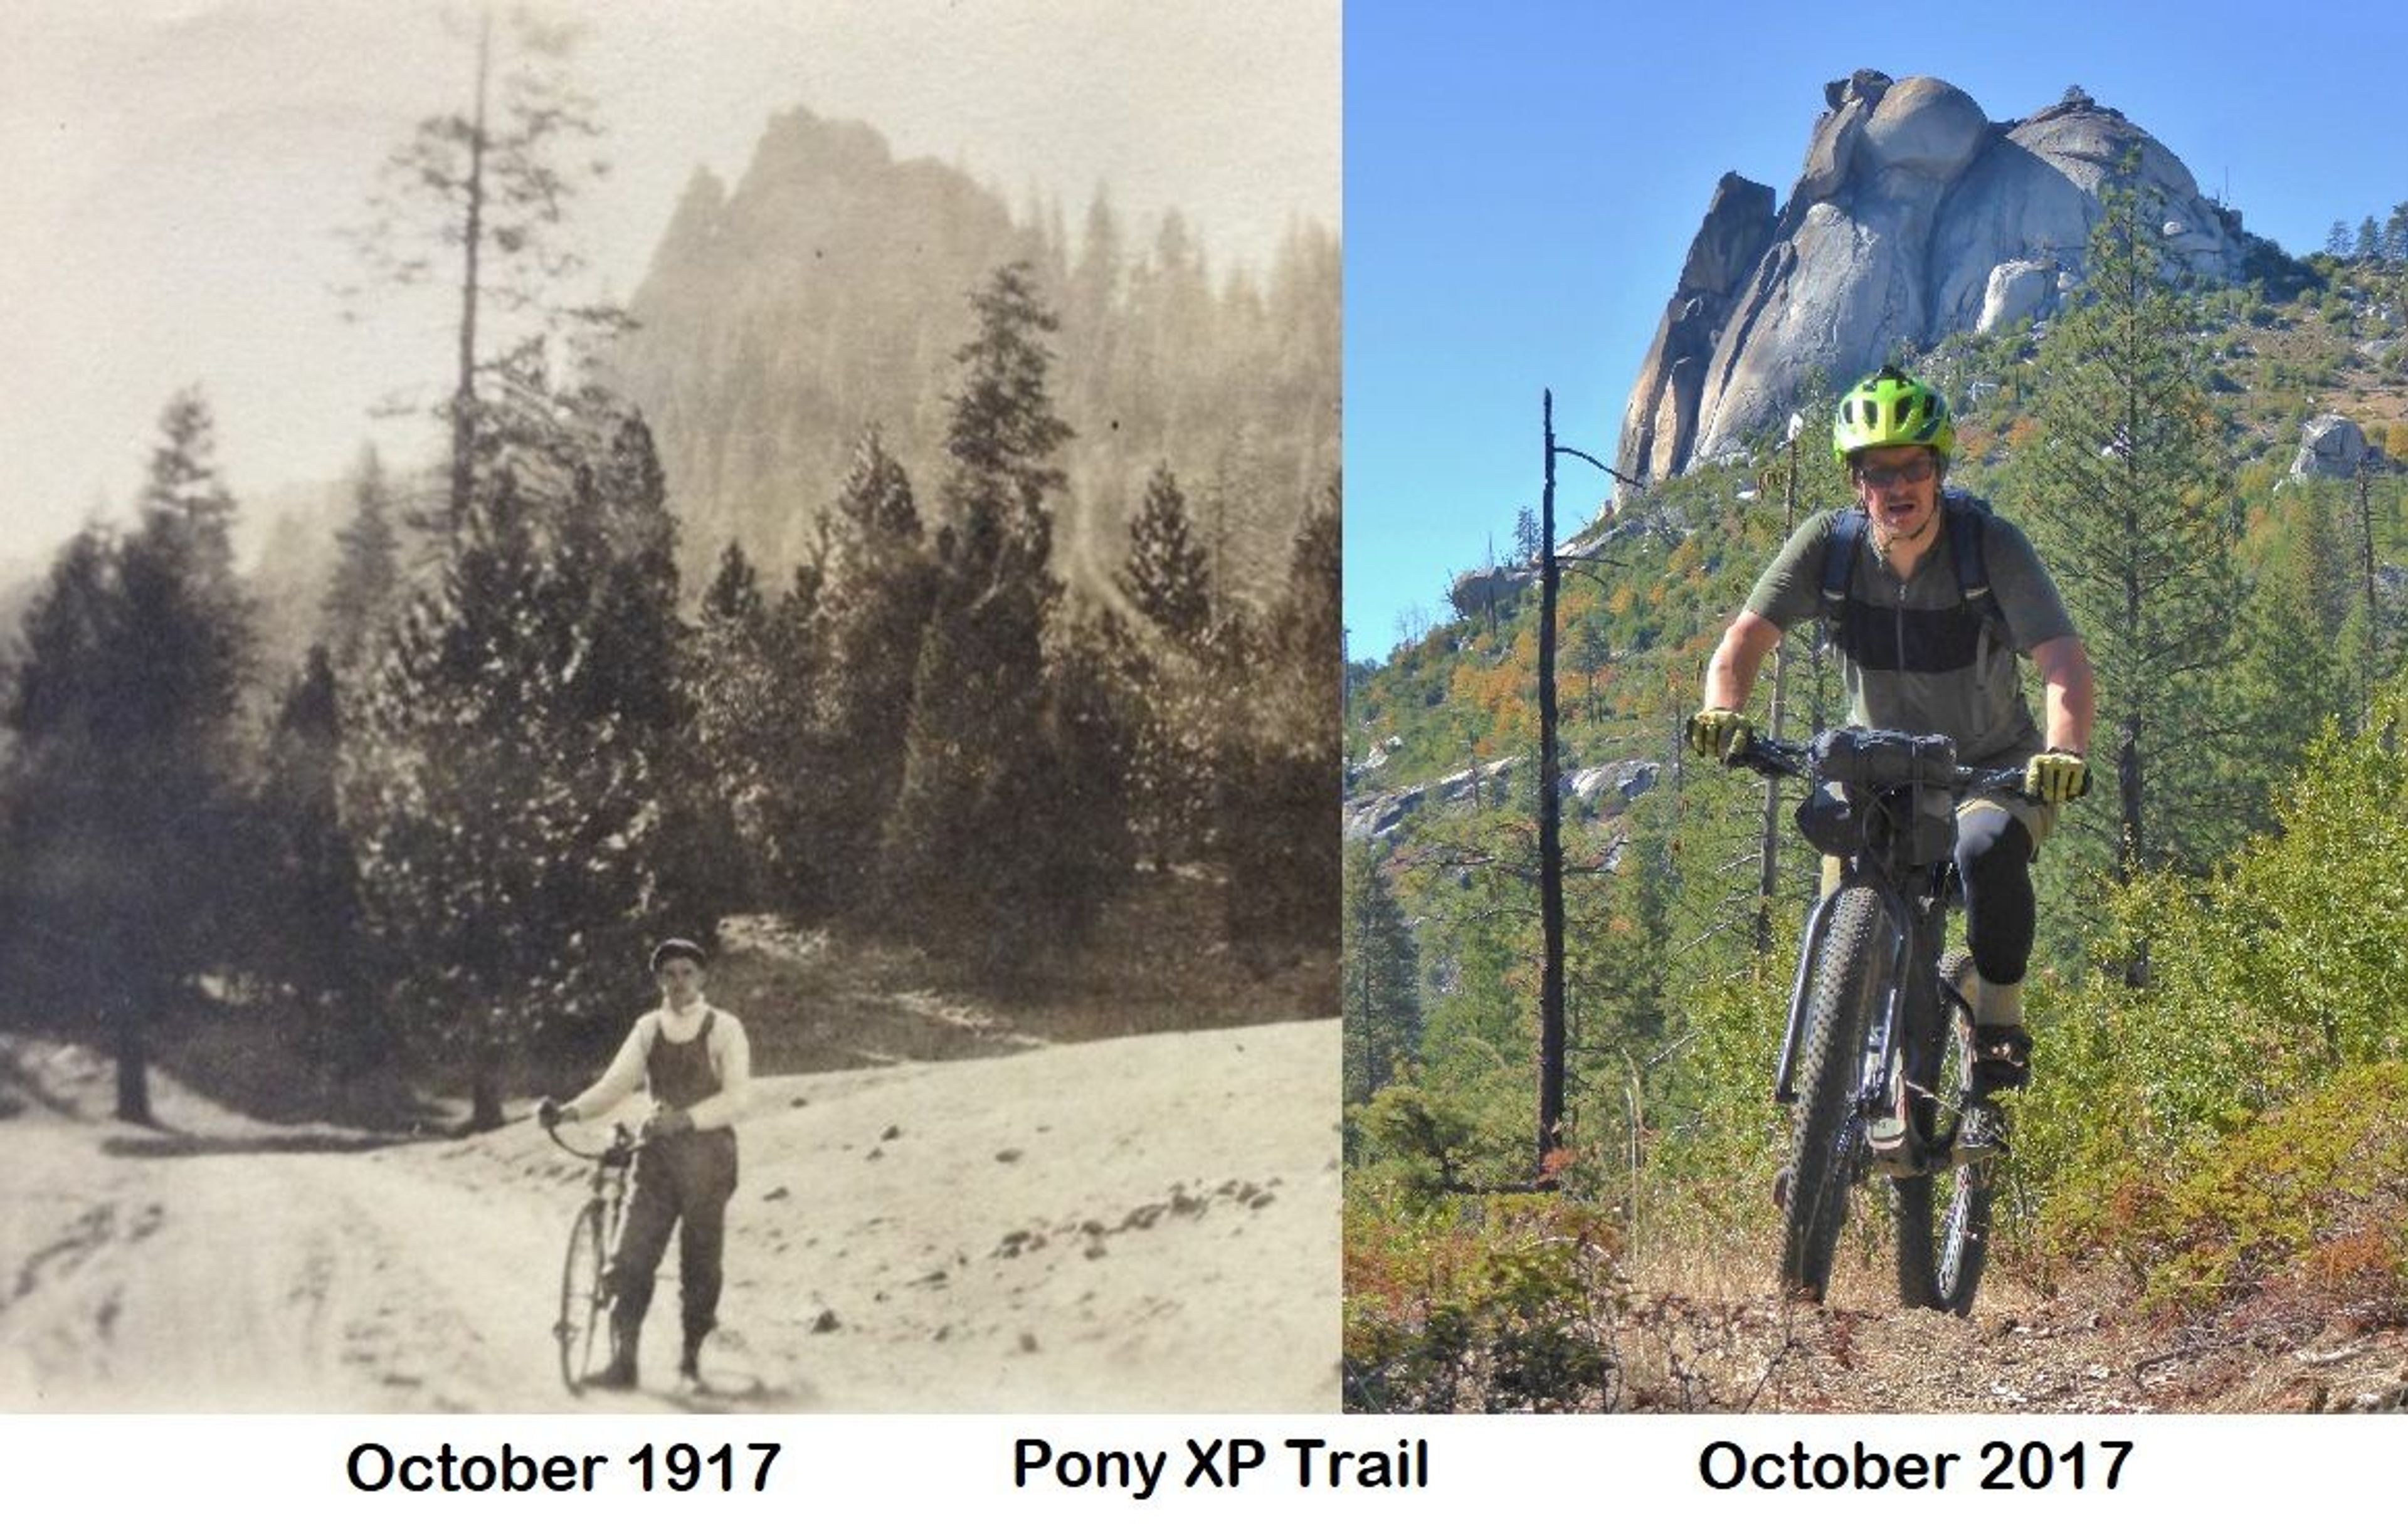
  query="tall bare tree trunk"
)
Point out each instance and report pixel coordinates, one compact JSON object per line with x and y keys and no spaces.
{"x":464,"y":397}
{"x":132,"y":1060}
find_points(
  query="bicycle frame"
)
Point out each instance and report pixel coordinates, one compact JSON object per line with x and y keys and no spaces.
{"x":1914,"y":900}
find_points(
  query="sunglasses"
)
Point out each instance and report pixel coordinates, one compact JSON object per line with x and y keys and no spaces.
{"x":1916,"y":470}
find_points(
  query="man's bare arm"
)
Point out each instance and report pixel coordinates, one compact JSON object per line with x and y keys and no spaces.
{"x":2072,"y":699}
{"x":1730,"y":676}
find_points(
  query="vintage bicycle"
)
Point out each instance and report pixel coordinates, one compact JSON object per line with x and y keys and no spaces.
{"x":584,"y":1322}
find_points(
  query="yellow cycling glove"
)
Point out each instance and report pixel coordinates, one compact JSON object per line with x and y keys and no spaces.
{"x":2054,"y":777}
{"x":1718,"y":732}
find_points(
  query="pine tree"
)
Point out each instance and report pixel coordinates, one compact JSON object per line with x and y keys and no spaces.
{"x":2123,"y":493}
{"x":127,"y":815}
{"x":1167,"y":577}
{"x":69,"y":879}
{"x":1526,"y":538}
{"x":517,"y":793}
{"x":1093,"y":719}
{"x":734,"y":596}
{"x":873,"y":607}
{"x":974,"y":818}
{"x":2292,"y":675}
{"x":312,"y":939}
{"x":727,"y":682}
{"x":1381,"y":1008}
{"x":1178,"y":685}
{"x":368,"y":587}
{"x":1278,"y":771}
{"x":476,"y":200}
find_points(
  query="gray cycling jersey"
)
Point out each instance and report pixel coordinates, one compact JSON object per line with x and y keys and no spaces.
{"x":1916,"y":656}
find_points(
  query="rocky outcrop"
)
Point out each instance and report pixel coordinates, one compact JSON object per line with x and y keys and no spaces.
{"x":1605,"y":791}
{"x":1609,"y":790}
{"x":1376,"y":816}
{"x":1662,"y":415}
{"x":1913,"y":217}
{"x":2329,"y":445}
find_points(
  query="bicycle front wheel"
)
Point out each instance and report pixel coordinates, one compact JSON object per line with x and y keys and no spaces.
{"x":1943,"y":1220}
{"x":584,"y":1299}
{"x":1826,"y":1132}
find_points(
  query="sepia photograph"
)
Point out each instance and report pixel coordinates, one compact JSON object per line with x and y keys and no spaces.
{"x":1876,"y":586}
{"x":668,"y":704}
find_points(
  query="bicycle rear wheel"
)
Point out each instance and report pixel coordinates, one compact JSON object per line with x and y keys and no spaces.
{"x":1943,"y":1220}
{"x":584,"y":1299}
{"x":1827,"y":1134}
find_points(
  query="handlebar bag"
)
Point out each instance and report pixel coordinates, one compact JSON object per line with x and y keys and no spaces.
{"x":1831,"y":821}
{"x":1870,"y":759}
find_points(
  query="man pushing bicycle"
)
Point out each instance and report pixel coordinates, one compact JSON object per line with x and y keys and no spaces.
{"x":1928,"y":598}
{"x":694,"y":1062}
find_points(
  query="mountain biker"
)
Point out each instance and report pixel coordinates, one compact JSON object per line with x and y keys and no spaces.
{"x":694,"y":1062}
{"x":1922,"y":653}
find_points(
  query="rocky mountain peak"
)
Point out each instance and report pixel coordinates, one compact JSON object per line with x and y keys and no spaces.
{"x":1914,"y":216}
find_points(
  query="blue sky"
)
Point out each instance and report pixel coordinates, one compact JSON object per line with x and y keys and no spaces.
{"x":1522,"y":182}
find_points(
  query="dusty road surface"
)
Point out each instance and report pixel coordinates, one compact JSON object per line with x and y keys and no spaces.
{"x":1132,"y":1225}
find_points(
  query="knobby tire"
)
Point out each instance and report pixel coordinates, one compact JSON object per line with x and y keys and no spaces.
{"x":1826,"y":1132}
{"x":1943,"y":1220}
{"x":584,"y":1300}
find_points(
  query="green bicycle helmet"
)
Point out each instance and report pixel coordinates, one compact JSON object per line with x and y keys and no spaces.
{"x":1891,"y":407}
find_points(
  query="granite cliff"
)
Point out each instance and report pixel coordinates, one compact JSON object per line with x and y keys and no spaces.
{"x":1914,"y":216}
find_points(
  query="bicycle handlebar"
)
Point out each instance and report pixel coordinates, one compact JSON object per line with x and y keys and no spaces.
{"x":1793,"y":758}
{"x":624,"y":1142}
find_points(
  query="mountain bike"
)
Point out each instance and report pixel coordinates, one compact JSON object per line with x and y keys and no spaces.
{"x":584,"y":1294}
{"x":1876,"y":1059}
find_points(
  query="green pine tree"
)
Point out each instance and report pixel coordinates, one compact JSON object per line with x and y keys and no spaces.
{"x":1382,"y":1002}
{"x":2124,"y":492}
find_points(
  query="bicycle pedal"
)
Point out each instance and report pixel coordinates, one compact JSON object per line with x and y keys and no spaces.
{"x":1891,"y":1146}
{"x":1981,"y":1136}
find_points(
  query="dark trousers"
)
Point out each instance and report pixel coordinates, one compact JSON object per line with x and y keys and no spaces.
{"x":682,"y":1183}
{"x":1994,"y":855}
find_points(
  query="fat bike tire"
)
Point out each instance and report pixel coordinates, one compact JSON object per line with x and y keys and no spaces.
{"x":1827,"y":1135}
{"x":1943,"y":1219}
{"x":584,"y":1298}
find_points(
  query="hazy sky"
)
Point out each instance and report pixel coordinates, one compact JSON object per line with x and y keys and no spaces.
{"x":177,"y":170}
{"x":1523,"y":182}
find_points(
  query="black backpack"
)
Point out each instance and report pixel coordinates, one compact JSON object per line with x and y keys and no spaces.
{"x":1849,"y":529}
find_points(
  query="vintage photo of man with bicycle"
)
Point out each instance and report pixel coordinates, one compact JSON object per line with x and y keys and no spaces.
{"x":741,"y":569}
{"x":696,"y":1069}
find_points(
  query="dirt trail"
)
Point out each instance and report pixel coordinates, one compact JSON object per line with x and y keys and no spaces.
{"x":2084,"y":1348}
{"x":1142,"y":1224}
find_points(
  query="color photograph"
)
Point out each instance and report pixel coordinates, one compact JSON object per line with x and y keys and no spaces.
{"x":1876,"y":548}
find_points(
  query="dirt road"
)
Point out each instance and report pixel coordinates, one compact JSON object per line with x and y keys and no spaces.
{"x":1145,"y":1224}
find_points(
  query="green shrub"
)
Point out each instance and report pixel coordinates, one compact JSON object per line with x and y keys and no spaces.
{"x":1498,"y":1303}
{"x":2274,"y":998}
{"x":2312,"y":1197}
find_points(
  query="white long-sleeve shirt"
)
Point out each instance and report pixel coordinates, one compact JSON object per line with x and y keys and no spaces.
{"x":731,"y":1061}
